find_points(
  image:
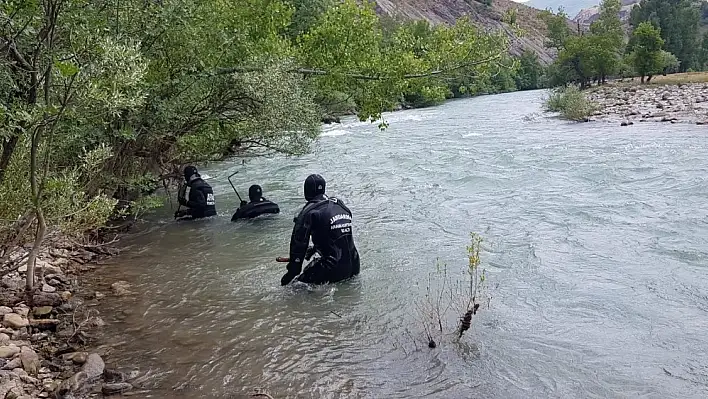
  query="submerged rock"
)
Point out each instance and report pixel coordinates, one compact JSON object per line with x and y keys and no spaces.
{"x":117,"y":387}
{"x":120,"y":288}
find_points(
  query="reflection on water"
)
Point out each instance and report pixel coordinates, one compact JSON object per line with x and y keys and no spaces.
{"x":595,"y":243}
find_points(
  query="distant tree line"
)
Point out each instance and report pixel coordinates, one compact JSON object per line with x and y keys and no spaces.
{"x":664,"y":36}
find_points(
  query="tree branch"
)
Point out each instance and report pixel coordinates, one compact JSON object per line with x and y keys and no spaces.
{"x":358,"y":76}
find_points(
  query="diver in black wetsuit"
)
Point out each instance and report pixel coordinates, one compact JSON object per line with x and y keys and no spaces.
{"x":201,"y":201}
{"x":258,"y":205}
{"x":329,"y":222}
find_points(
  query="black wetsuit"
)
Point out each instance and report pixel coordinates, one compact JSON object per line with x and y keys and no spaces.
{"x":255,"y":208}
{"x":329,"y":222}
{"x":201,"y":200}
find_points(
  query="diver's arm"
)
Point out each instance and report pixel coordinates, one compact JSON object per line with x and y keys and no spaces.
{"x":196,"y":199}
{"x":298,"y":246}
{"x":299,"y":242}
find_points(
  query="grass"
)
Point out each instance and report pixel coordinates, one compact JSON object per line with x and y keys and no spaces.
{"x":672,"y":79}
{"x":571,"y":103}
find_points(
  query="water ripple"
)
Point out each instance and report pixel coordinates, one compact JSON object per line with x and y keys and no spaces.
{"x":596,"y":247}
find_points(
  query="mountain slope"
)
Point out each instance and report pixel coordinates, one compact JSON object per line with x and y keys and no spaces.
{"x":490,"y":17}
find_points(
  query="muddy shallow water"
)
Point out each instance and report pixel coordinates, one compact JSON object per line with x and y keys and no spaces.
{"x":596,"y":247}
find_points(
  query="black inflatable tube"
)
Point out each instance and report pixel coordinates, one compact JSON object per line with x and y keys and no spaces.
{"x":255,"y":209}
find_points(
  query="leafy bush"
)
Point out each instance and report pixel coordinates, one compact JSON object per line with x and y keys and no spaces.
{"x":571,"y":103}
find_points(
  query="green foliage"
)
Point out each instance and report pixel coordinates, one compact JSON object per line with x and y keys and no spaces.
{"x":571,"y":103}
{"x":678,"y":23}
{"x":104,"y":99}
{"x":645,"y":50}
{"x":558,"y":29}
{"x":591,"y":56}
{"x":453,"y":298}
{"x":530,"y":72}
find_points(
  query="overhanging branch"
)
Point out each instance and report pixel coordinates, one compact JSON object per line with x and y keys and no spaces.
{"x":358,"y":76}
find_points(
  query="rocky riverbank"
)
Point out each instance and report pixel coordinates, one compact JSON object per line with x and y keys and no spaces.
{"x":44,"y":335}
{"x":682,"y":103}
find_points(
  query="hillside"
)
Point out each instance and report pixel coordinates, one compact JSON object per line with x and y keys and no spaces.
{"x":490,"y":17}
{"x":587,"y":16}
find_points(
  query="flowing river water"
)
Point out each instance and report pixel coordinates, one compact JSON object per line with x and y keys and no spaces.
{"x":596,"y":249}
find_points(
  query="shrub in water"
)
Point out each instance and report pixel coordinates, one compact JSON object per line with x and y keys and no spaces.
{"x":571,"y":103}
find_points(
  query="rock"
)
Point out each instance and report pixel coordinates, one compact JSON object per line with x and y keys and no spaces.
{"x":42,"y":310}
{"x":57,"y":277}
{"x":13,"y":320}
{"x":30,"y":360}
{"x":21,"y":310}
{"x":329,"y":119}
{"x":77,"y":357}
{"x":13,"y":364}
{"x":97,"y":322}
{"x":120,"y":288}
{"x":4,"y":339}
{"x":25,"y":377}
{"x":11,"y":283}
{"x":702,"y":123}
{"x":5,"y":310}
{"x":39,"y":337}
{"x":40,"y":264}
{"x":47,"y":299}
{"x":48,"y":288}
{"x":93,"y":367}
{"x":628,"y":123}
{"x":112,"y":375}
{"x":44,"y":324}
{"x":20,"y":334}
{"x":99,"y":295}
{"x":9,"y":351}
{"x":117,"y":387}
{"x":44,"y":395}
{"x":72,"y":384}
{"x":66,"y":295}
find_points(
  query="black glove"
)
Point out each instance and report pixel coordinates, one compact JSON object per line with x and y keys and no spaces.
{"x":182,"y":201}
{"x":287,"y":278}
{"x":242,"y":204}
{"x":179,"y":214}
{"x":310,"y":251}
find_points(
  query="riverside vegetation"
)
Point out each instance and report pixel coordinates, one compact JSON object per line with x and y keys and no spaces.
{"x":101,"y":103}
{"x":663,"y":37}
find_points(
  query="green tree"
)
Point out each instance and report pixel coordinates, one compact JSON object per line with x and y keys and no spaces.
{"x":607,"y":39}
{"x":530,"y":71}
{"x":558,"y":29}
{"x":678,"y":21}
{"x":306,"y":14}
{"x":645,"y":50}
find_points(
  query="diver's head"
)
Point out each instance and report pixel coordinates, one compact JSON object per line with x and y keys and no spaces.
{"x":189,"y":172}
{"x":314,"y":186}
{"x":255,"y":192}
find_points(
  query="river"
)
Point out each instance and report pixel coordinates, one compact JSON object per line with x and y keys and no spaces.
{"x":595,"y":246}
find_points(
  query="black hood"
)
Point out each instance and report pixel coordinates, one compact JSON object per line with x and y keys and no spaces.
{"x":190,"y":171}
{"x":255,"y":192}
{"x":314,"y":186}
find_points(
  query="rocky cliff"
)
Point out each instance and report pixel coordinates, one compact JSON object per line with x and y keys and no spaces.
{"x":589,"y":15}
{"x":490,"y":17}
